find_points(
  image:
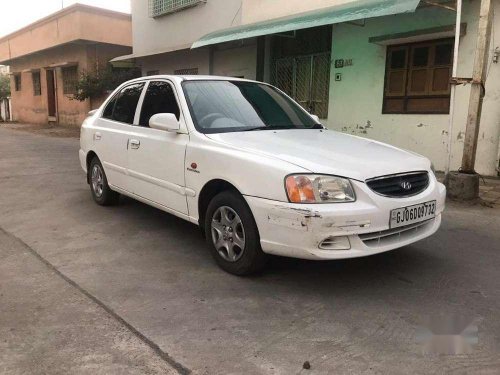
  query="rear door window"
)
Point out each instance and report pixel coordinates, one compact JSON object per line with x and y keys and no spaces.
{"x":159,"y":98}
{"x":126,"y":103}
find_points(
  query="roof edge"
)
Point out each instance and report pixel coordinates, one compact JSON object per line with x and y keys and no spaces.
{"x":9,"y":62}
{"x":137,"y":55}
{"x":70,"y":9}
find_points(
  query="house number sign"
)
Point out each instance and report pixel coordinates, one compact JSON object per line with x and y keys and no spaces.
{"x":342,"y":63}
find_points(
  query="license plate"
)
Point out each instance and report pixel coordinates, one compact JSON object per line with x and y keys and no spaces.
{"x":412,"y":214}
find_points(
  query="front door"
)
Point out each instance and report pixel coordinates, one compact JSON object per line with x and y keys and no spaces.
{"x":156,"y":157}
{"x":51,"y":95}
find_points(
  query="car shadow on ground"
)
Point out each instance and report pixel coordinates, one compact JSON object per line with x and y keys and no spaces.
{"x":369,"y":271}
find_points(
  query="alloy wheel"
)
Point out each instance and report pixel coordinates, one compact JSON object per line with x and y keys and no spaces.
{"x":97,"y":180}
{"x":228,"y":234}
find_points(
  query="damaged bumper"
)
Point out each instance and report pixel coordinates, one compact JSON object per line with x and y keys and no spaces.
{"x":345,"y":230}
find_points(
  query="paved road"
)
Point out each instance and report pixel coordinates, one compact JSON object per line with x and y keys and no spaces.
{"x":130,"y":288}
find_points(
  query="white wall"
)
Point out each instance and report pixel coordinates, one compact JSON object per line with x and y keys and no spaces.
{"x":179,"y":30}
{"x":356,"y":101}
{"x":260,"y":10}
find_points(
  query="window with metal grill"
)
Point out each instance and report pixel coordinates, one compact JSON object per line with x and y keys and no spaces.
{"x":186,"y":72}
{"x":17,"y":82}
{"x":418,"y":77}
{"x":70,"y":78}
{"x":37,"y":88}
{"x":160,"y":7}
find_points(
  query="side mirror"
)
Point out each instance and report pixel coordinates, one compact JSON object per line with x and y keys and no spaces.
{"x":164,"y":121}
{"x":315,"y":118}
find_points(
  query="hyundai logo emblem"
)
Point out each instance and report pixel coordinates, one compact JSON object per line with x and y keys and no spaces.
{"x":405,"y":185}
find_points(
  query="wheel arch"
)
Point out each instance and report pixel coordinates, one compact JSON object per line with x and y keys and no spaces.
{"x":210,"y":190}
{"x":88,"y":159}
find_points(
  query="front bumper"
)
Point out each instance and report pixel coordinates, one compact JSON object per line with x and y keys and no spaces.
{"x":297,"y":230}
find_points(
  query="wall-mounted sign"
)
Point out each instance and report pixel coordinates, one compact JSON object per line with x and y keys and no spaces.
{"x":341,"y":63}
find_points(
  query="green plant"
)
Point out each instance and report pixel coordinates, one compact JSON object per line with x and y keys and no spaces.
{"x":96,"y":83}
{"x":4,"y":86}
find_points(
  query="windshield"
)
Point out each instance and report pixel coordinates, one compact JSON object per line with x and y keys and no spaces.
{"x":231,"y":106}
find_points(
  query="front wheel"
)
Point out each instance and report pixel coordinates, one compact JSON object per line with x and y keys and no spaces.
{"x":232,"y":235}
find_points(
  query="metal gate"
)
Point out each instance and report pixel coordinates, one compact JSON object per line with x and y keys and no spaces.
{"x":307,"y":80}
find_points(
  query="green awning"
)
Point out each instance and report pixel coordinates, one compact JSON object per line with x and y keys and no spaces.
{"x":352,"y":11}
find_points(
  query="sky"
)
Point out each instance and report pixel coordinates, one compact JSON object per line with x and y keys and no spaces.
{"x":15,"y":14}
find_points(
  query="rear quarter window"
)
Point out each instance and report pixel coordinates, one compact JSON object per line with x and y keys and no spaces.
{"x":108,"y":111}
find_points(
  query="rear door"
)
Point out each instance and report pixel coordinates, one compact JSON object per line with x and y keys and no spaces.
{"x":156,"y":157}
{"x":112,"y":132}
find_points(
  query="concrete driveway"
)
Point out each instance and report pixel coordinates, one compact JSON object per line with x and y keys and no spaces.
{"x":130,"y":289}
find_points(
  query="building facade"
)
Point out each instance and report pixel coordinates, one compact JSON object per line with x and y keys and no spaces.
{"x":47,"y":57}
{"x":373,"y":68}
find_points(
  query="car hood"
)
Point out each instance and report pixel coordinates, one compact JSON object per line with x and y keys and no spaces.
{"x":327,"y":152}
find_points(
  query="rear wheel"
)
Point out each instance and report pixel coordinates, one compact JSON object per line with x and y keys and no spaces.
{"x":232,"y":235}
{"x":99,"y":187}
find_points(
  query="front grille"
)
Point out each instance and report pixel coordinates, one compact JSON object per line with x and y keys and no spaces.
{"x":395,"y":235}
{"x":400,"y":185}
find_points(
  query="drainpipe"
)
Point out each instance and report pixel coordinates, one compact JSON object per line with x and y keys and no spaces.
{"x":477,"y":88}
{"x":454,"y":86}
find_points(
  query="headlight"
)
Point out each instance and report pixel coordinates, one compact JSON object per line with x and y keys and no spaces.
{"x":310,"y":188}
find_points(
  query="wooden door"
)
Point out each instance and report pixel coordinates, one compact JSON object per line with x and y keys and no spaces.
{"x":51,"y":95}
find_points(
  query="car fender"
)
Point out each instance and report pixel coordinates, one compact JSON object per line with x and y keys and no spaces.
{"x":252,"y":174}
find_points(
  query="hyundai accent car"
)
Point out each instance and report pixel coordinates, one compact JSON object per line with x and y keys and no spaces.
{"x":256,"y":172}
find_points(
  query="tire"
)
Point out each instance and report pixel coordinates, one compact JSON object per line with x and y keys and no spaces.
{"x":230,"y":223}
{"x":101,"y":192}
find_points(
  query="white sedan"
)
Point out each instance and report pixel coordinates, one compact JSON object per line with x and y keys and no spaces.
{"x":256,"y":172}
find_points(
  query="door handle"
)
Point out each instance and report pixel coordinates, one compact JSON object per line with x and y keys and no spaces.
{"x":135,"y":144}
{"x":97,"y":136}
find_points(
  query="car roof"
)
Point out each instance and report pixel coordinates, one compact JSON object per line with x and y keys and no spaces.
{"x":180,"y":78}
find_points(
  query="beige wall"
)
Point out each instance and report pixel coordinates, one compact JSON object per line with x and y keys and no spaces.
{"x":179,"y":30}
{"x":261,"y":10}
{"x":76,"y":22}
{"x":167,"y":63}
{"x":236,"y":62}
{"x":231,"y":61}
{"x":26,"y":107}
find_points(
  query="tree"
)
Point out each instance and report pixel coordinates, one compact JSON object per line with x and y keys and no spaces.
{"x":4,"y":86}
{"x":96,"y":83}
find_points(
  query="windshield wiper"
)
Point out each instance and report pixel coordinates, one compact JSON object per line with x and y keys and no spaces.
{"x":315,"y":126}
{"x":255,"y":128}
{"x":271,"y":127}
